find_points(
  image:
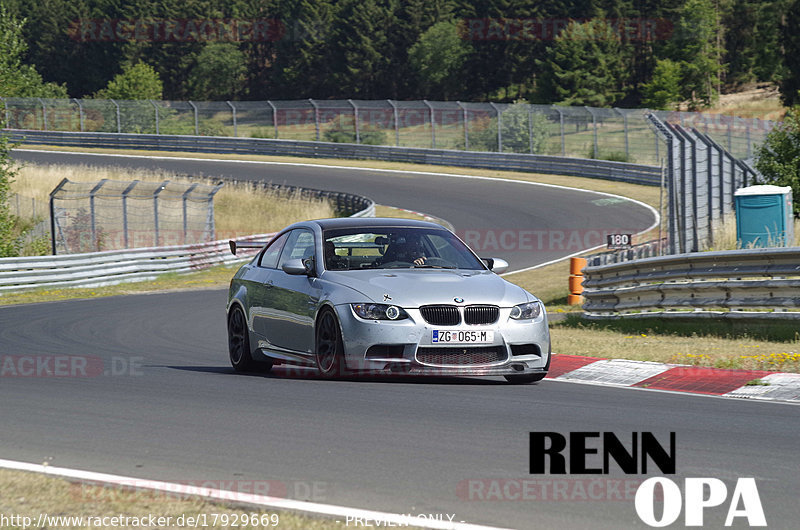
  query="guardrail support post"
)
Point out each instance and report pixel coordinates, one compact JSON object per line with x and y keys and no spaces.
{"x":196,"y":119}
{"x":274,"y":117}
{"x":433,"y":124}
{"x":316,"y":116}
{"x":396,"y":123}
{"x":153,"y":103}
{"x":233,"y":116}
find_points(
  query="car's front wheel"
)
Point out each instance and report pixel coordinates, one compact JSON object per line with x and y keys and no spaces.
{"x":239,"y":341}
{"x":329,"y":345}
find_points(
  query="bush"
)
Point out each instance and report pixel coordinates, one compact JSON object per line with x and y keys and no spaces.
{"x":339,"y":133}
{"x":515,"y":131}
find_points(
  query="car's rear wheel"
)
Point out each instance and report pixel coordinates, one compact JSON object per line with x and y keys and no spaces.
{"x":329,"y":345}
{"x":530,"y":378}
{"x":239,"y":343}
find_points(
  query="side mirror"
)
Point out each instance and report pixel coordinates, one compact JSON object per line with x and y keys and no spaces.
{"x":496,"y":265}
{"x":297,"y":267}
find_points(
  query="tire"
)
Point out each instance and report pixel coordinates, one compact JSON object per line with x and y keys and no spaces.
{"x":328,"y":345}
{"x":239,"y":343}
{"x":530,"y":378}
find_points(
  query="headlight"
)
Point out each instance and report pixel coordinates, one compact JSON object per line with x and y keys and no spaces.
{"x":379,"y":312}
{"x":526,"y":311}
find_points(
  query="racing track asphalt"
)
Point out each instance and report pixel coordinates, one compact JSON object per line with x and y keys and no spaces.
{"x":404,"y":446}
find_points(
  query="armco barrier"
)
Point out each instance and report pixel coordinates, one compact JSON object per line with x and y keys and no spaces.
{"x":757,"y":283}
{"x":114,"y":266}
{"x":603,"y":169}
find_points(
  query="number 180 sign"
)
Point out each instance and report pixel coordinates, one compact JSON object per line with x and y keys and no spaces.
{"x":618,"y":241}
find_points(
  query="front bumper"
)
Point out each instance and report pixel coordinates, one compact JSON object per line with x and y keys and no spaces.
{"x":406,"y":347}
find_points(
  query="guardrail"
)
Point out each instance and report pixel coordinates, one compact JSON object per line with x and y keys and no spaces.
{"x":756,"y":283}
{"x":114,"y":266}
{"x":603,"y":169}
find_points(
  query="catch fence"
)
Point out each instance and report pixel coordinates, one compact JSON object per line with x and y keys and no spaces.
{"x":582,"y":132}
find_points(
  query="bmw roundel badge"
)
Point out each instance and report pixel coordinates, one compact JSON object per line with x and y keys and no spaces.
{"x":458,"y":300}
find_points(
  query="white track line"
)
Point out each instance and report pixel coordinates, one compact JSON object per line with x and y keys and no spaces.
{"x":356,"y":168}
{"x":242,"y":498}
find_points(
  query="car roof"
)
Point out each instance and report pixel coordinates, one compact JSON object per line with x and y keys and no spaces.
{"x":369,"y":222}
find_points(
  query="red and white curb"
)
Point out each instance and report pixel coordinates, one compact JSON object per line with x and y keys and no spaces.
{"x":340,"y":514}
{"x":676,"y":378}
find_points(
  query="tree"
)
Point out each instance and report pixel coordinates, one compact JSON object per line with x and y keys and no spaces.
{"x":517,"y":133}
{"x":9,"y":242}
{"x":137,"y":81}
{"x":778,"y":159}
{"x":664,"y":89}
{"x":437,"y":58}
{"x":219,"y":74}
{"x":695,"y":46}
{"x":585,"y":66}
{"x":790,"y":85}
{"x":16,"y":78}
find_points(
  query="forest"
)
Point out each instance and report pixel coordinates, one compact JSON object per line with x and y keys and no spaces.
{"x":603,"y":53}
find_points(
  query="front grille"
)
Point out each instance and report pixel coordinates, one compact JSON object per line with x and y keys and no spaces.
{"x":441,"y":315}
{"x":481,"y":314}
{"x":386,"y":351}
{"x":460,"y":356}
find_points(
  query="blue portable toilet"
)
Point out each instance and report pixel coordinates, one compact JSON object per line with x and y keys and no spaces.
{"x":764,"y":216}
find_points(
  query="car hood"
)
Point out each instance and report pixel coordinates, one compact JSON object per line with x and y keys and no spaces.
{"x":417,"y":287}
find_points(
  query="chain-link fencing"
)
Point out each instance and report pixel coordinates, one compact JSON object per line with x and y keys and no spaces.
{"x":113,"y":215}
{"x":583,"y":132}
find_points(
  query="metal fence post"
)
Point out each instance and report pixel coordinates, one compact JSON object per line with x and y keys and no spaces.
{"x":156,"y":111}
{"x":92,"y":215}
{"x":196,"y":119}
{"x":433,"y":124}
{"x":499,"y":127}
{"x":53,"y":213}
{"x":355,"y":120}
{"x":80,"y":112}
{"x":561,"y":123}
{"x":274,"y":117}
{"x":125,"y":210}
{"x":184,"y":198}
{"x":316,"y":116}
{"x":625,"y":128}
{"x":5,"y":123}
{"x":44,"y":113}
{"x":396,"y":122}
{"x":119,"y":121}
{"x":466,"y":125}
{"x":530,"y":127}
{"x":594,"y":128}
{"x":233,"y":116}
{"x":155,"y":209}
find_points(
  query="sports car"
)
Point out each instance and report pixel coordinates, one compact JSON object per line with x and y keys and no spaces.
{"x":391,"y":296}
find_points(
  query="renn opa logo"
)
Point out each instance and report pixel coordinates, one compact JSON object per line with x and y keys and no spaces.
{"x":593,"y":452}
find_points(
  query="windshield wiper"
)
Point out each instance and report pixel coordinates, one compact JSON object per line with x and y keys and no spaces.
{"x":433,"y":267}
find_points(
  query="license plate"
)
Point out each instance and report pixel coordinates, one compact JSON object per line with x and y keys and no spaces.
{"x":473,"y":336}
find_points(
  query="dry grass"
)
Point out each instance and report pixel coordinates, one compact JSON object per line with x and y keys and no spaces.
{"x":31,"y":494}
{"x":744,"y":345}
{"x":238,"y":208}
{"x":753,"y":102}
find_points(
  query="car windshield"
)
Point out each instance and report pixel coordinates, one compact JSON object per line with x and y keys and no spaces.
{"x":396,"y":248}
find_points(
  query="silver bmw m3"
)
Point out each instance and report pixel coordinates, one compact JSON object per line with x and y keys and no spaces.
{"x":389,"y":296}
